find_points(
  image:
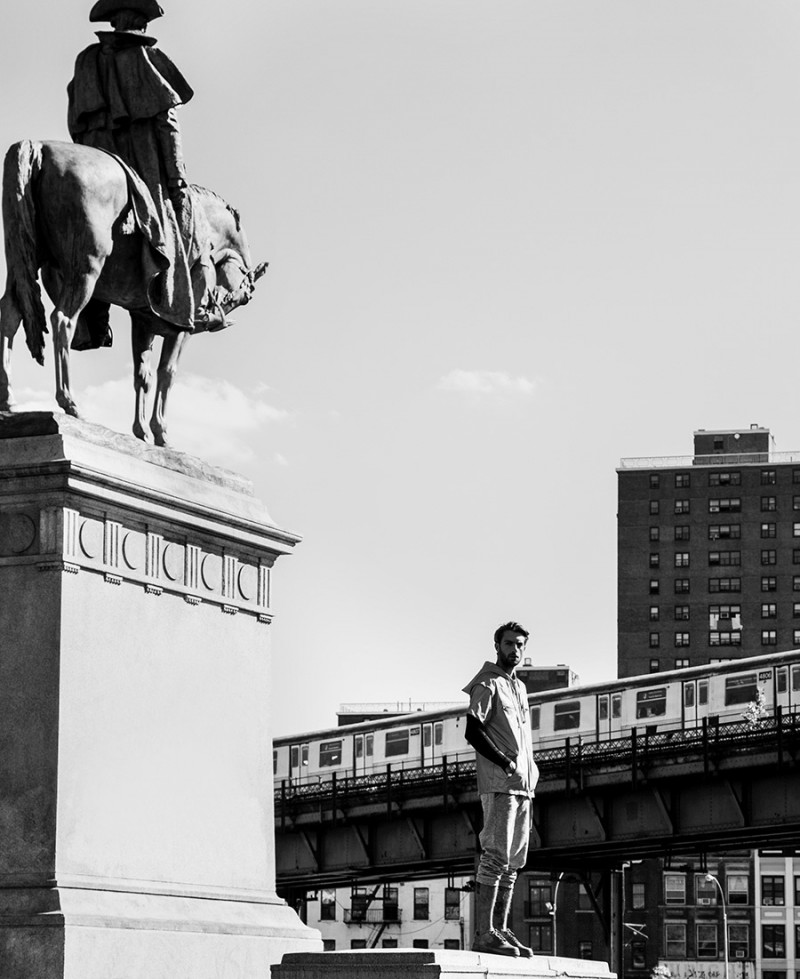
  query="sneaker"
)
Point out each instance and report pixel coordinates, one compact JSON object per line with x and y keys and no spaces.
{"x":493,"y":941}
{"x":522,"y":950}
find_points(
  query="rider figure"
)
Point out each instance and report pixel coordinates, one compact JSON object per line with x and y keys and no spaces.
{"x":122,"y":99}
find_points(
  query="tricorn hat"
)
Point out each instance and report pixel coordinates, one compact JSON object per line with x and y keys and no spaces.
{"x":105,"y":9}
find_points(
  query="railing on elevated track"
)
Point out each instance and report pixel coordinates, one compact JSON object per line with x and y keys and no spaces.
{"x":569,"y":763}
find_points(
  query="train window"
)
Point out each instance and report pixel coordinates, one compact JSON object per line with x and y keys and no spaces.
{"x":741,"y":689}
{"x":651,"y":703}
{"x":330,"y":753}
{"x":536,"y":713}
{"x":369,"y":740}
{"x":795,"y":679}
{"x":274,"y":762}
{"x":427,"y":735}
{"x":688,"y":695}
{"x":782,"y":680}
{"x":359,"y":745}
{"x":397,"y":742}
{"x":438,"y":733}
{"x":602,"y":708}
{"x":567,"y":715}
{"x":294,"y":756}
{"x":616,"y":705}
{"x":702,"y":692}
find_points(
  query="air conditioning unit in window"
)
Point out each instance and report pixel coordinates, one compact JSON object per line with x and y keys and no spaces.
{"x":704,"y":900}
{"x":739,"y":953}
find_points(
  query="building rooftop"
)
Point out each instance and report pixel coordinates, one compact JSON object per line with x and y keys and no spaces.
{"x":717,"y":459}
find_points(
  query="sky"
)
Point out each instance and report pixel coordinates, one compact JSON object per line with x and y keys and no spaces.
{"x":510,"y":242}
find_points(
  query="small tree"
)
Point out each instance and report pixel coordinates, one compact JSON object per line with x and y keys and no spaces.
{"x":754,"y":712}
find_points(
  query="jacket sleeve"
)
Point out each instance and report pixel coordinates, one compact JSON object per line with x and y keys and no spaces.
{"x":477,"y":736}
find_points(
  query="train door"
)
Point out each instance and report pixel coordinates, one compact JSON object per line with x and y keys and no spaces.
{"x":432,"y":738}
{"x":609,"y":715}
{"x":362,"y":753}
{"x":794,"y":686}
{"x":781,"y":689}
{"x":689,"y":709}
{"x":298,"y":761}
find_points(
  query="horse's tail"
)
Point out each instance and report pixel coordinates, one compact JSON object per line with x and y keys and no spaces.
{"x":22,"y":165}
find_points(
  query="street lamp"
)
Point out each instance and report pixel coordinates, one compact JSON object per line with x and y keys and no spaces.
{"x":710,"y":877}
{"x":552,"y":908}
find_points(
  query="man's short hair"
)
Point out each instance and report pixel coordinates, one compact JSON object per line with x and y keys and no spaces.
{"x":509,"y":627}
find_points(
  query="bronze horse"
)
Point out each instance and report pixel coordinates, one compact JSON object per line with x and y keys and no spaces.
{"x":66,"y":211}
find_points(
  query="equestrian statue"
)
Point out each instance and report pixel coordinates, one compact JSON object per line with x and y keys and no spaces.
{"x":111,"y":219}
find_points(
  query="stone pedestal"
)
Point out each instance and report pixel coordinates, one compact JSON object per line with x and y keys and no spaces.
{"x":136,"y":821}
{"x":432,"y":964}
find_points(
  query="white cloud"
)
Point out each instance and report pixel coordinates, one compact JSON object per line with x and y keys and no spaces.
{"x":210,"y":418}
{"x":485,"y":382}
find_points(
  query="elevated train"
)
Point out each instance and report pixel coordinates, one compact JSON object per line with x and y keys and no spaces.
{"x":657,"y":702}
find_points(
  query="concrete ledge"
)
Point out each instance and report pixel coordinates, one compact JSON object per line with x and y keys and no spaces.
{"x":428,"y":964}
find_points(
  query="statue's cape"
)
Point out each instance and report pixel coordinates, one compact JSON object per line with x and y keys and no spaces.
{"x":120,"y":80}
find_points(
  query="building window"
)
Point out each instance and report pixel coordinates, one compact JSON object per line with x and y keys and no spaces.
{"x":716,"y":638}
{"x":769,"y":637}
{"x":682,"y":532}
{"x":541,"y":938}
{"x":421,"y":903}
{"x":796,"y":610}
{"x":796,"y":530}
{"x":391,"y":903}
{"x":654,"y":533}
{"x":725,"y":531}
{"x":585,"y":950}
{"x":674,"y":889}
{"x":796,"y":475}
{"x":638,"y":955}
{"x":769,"y":583}
{"x":654,"y":613}
{"x":681,"y":613}
{"x":796,"y":583}
{"x":654,"y":480}
{"x":682,"y":559}
{"x":682,"y":662}
{"x":327,"y":905}
{"x":796,"y":502}
{"x":681,"y":638}
{"x":769,"y":529}
{"x":725,"y":613}
{"x":796,"y":637}
{"x":452,"y":943}
{"x":769,"y":557}
{"x":654,"y":560}
{"x":654,"y":586}
{"x":540,"y":896}
{"x":769,"y":477}
{"x":682,"y":480}
{"x":420,"y":943}
{"x":731,"y":504}
{"x":773,"y":891}
{"x":452,"y":904}
{"x":675,"y":939}
{"x":653,"y":508}
{"x":681,"y":506}
{"x":739,"y":940}
{"x":707,"y":940}
{"x":769,"y":503}
{"x":638,"y":896}
{"x":328,"y":944}
{"x":705,"y":891}
{"x":773,"y":941}
{"x":738,"y":888}
{"x":725,"y":558}
{"x":655,"y":640}
{"x":681,"y":586}
{"x":655,"y":665}
{"x":769,"y":610}
{"x":724,"y":584}
{"x":584,"y":901}
{"x":724,"y":479}
{"x":358,"y":943}
{"x":391,"y":943}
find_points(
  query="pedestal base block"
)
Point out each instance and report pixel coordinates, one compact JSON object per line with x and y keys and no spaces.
{"x":419,"y":964}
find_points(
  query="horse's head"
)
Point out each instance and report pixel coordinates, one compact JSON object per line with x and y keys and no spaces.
{"x":235,"y":277}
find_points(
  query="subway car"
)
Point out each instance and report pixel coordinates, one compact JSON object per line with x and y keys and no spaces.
{"x":657,"y":702}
